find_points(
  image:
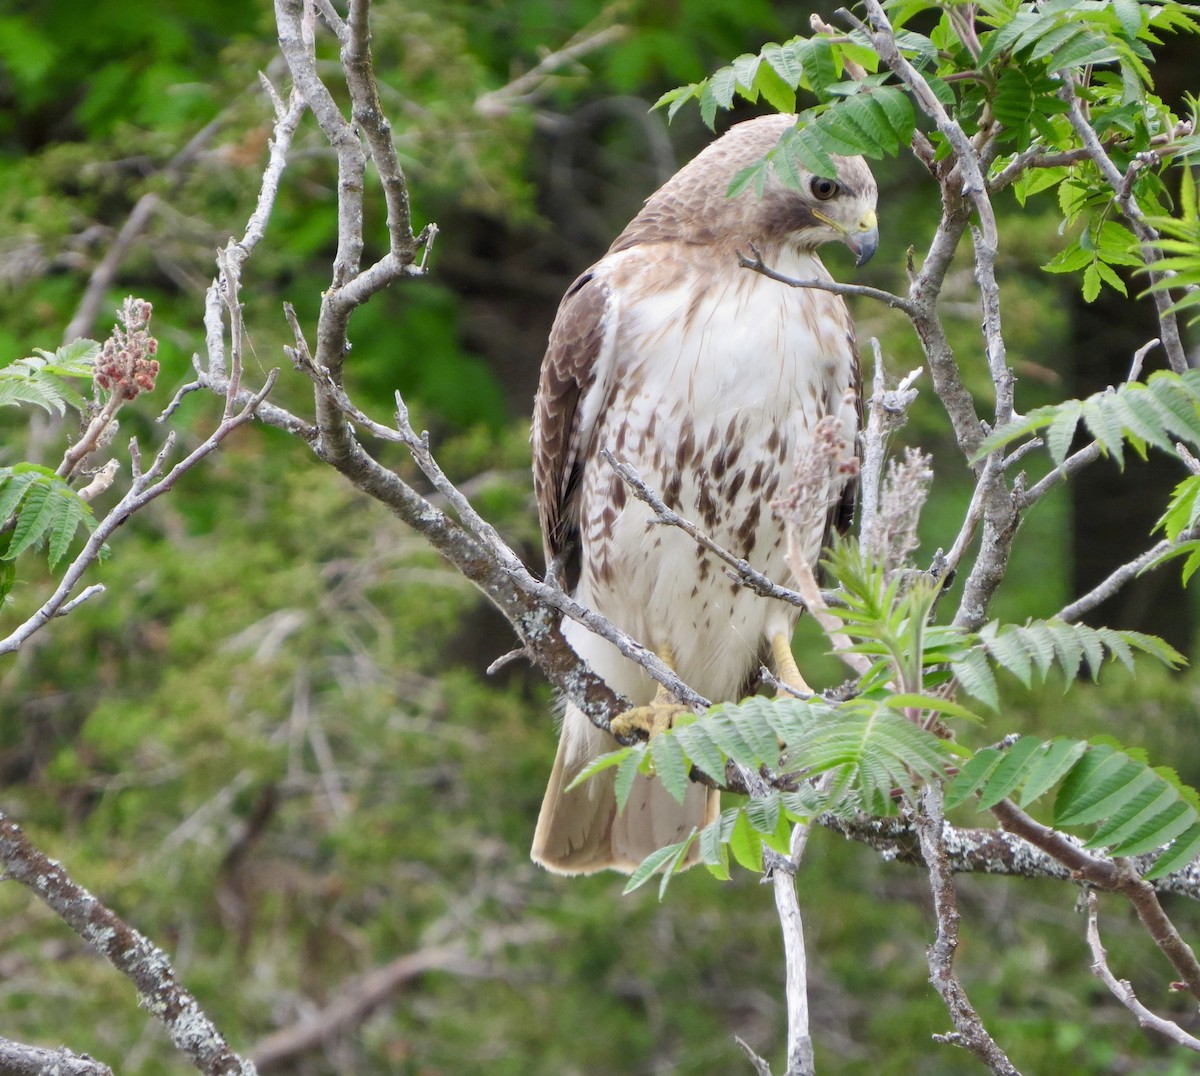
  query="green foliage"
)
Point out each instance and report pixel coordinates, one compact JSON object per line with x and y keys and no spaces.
{"x":39,"y":379}
{"x":1032,"y":650}
{"x":870,"y":755}
{"x":1160,"y":411}
{"x":1136,"y":808}
{"x":40,"y":509}
{"x":854,"y":116}
{"x":1179,"y":244}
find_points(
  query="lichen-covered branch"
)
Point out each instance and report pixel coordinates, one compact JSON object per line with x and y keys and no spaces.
{"x":17,"y":1059}
{"x":131,"y":953}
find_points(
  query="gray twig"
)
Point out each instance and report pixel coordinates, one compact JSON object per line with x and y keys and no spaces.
{"x":1123,"y":991}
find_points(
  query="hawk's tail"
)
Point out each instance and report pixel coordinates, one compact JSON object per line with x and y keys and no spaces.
{"x":580,"y":831}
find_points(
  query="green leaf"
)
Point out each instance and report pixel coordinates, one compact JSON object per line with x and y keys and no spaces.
{"x":976,"y":678}
{"x":655,"y":862}
{"x":604,"y":762}
{"x":1048,"y":770}
{"x":670,"y":764}
{"x":972,"y":776}
{"x":784,"y":60}
{"x":627,"y":770}
{"x":1010,"y":772}
{"x":763,"y":814}
{"x":1113,"y":784}
{"x":774,"y":89}
{"x":1183,"y":850}
{"x":746,"y":844}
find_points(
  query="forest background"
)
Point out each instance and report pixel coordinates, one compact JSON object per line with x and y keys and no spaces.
{"x":272,"y":744}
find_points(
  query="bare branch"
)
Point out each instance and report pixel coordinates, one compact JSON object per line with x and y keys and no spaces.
{"x":132,"y":954}
{"x":1116,"y":875}
{"x":526,"y":88}
{"x":145,"y":487}
{"x":757,"y":265}
{"x":356,"y":1000}
{"x":969,"y":1031}
{"x":740,"y":568}
{"x":887,"y":411}
{"x":1117,"y":579}
{"x":16,"y":1059}
{"x":1123,"y":991}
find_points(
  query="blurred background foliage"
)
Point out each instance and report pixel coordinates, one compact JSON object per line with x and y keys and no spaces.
{"x":271,"y":745}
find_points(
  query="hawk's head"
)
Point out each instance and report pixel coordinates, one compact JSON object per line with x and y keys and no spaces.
{"x":694,"y":206}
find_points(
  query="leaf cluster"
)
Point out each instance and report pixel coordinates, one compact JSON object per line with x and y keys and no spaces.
{"x":39,"y":509}
{"x":853,"y":116}
{"x":1135,"y":807}
{"x":869,"y":753}
{"x":41,"y":378}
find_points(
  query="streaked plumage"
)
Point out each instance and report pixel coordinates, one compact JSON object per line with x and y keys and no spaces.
{"x":705,"y":377}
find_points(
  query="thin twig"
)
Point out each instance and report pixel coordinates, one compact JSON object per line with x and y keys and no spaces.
{"x":757,"y":265}
{"x":969,"y":1031}
{"x":740,"y":568}
{"x":1122,"y":990}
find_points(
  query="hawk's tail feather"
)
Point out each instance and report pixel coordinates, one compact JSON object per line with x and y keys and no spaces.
{"x":580,"y":832}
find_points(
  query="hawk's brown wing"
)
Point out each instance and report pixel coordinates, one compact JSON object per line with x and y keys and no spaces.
{"x":574,"y":387}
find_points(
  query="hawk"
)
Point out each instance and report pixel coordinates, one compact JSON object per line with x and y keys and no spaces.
{"x":706,"y":378}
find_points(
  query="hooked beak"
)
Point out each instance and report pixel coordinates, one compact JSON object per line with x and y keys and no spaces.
{"x":863,"y":238}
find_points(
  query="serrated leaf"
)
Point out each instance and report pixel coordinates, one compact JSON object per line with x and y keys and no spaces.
{"x":670,"y":765}
{"x":1013,"y":102}
{"x":784,"y":60}
{"x":653,"y":863}
{"x":604,"y":762}
{"x":1104,"y":427}
{"x":1062,"y":431}
{"x":37,"y":511}
{"x":1113,"y":787}
{"x":972,"y":776}
{"x":1159,"y":831}
{"x":627,"y":770}
{"x":1009,"y":772}
{"x":1183,"y":850}
{"x":976,"y":677}
{"x":763,"y":814}
{"x":1158,"y":810}
{"x":700,"y":748}
{"x":1048,"y":770}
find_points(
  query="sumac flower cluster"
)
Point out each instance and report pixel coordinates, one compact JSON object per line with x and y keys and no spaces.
{"x":126,"y":366}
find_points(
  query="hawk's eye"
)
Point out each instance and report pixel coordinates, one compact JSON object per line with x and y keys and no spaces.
{"x":823,"y":189}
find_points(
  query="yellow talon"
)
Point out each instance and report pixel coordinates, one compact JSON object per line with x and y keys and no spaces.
{"x":785,"y":664}
{"x":656,"y":716}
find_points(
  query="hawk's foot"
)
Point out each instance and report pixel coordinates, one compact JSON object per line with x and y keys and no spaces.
{"x":785,"y":665}
{"x":655,"y":717}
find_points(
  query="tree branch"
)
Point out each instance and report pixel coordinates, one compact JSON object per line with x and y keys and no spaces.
{"x":969,"y":1031}
{"x":17,"y":1059}
{"x":1123,"y":991}
{"x":131,"y":953}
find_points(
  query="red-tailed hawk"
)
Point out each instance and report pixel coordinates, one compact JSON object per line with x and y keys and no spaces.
{"x":706,"y":378}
